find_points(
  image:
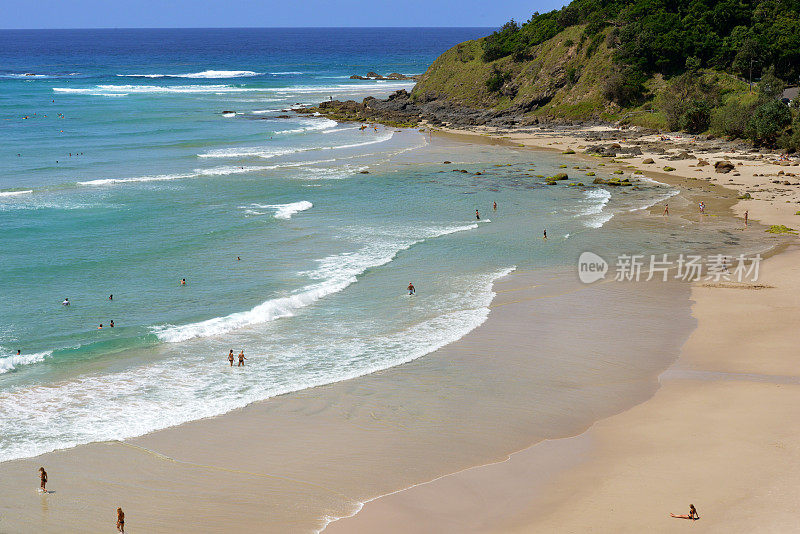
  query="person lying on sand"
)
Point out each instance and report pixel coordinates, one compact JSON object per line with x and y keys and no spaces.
{"x":693,"y":515}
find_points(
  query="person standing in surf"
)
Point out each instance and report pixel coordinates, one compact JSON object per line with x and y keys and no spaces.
{"x":494,"y":206}
{"x":477,"y":216}
{"x":230,"y":357}
{"x":411,"y":289}
{"x":241,"y":359}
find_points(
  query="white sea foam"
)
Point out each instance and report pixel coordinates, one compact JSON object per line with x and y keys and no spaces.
{"x":15,"y":193}
{"x":597,"y":199}
{"x":266,"y":153}
{"x":197,"y":173}
{"x":11,"y":362}
{"x":106,"y":89}
{"x":310,"y":125}
{"x":213,"y":74}
{"x":285,"y":211}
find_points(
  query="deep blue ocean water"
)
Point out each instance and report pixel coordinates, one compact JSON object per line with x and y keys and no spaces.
{"x":130,"y":159}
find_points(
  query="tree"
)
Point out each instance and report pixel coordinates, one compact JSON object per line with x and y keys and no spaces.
{"x":768,"y":122}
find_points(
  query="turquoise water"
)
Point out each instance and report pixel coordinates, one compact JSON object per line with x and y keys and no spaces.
{"x":161,"y":185}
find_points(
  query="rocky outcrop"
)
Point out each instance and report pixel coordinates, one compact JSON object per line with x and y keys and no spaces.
{"x":393,"y":76}
{"x":399,"y":109}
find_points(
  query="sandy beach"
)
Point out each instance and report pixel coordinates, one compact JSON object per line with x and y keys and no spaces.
{"x":718,"y":432}
{"x":455,"y":442}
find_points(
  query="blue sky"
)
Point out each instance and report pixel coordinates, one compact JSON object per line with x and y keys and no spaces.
{"x":263,"y":13}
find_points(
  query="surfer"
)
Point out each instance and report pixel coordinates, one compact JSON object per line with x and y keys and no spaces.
{"x":65,"y":302}
{"x":477,"y":215}
{"x":43,"y":479}
{"x":241,"y":359}
{"x":120,"y":520}
{"x":411,"y":289}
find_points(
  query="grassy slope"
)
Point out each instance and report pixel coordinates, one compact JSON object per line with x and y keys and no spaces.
{"x":459,"y":75}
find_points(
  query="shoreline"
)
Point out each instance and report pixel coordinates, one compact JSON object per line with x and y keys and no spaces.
{"x":178,"y":439}
{"x":476,"y":499}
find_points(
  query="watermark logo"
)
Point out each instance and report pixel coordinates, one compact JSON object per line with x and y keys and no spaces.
{"x":591,"y":267}
{"x":715,"y":268}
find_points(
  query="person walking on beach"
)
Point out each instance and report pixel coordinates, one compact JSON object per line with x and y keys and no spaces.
{"x":745,"y":218}
{"x":411,"y":289}
{"x":42,"y":479}
{"x":230,"y":357}
{"x":666,"y":209}
{"x":477,"y":216}
{"x":702,"y":208}
{"x":241,"y":359}
{"x":120,"y":520}
{"x":693,"y":515}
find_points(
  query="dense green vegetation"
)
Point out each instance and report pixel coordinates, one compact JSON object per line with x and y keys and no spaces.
{"x":686,"y":62}
{"x":660,"y":35}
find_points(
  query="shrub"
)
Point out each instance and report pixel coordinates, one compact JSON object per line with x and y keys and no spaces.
{"x":697,"y":117}
{"x":496,"y":80}
{"x":624,"y":86}
{"x":768,"y":122}
{"x":731,"y":119}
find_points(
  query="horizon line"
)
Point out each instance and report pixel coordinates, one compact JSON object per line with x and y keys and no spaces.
{"x":254,"y":28}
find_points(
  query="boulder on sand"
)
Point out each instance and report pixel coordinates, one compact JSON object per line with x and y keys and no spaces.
{"x":723,"y":166}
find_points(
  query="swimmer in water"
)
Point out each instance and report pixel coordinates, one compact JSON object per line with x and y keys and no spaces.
{"x":65,"y":303}
{"x":112,"y":323}
{"x":42,"y":479}
{"x":241,"y":359}
{"x":477,"y":216}
{"x":230,"y":357}
{"x":183,"y":281}
{"x":411,"y":289}
{"x":111,"y":297}
{"x":100,"y":327}
{"x":238,"y":258}
{"x":494,"y":206}
{"x":545,"y":234}
{"x":19,"y":353}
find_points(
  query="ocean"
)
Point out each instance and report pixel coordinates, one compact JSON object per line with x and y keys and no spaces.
{"x":132,"y":159}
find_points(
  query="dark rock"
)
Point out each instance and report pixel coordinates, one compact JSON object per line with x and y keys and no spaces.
{"x":723,"y":167}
